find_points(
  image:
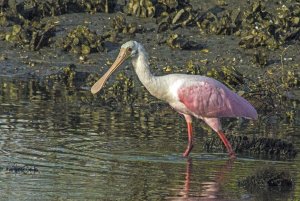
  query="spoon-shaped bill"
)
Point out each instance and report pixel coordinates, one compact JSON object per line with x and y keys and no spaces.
{"x":123,"y":55}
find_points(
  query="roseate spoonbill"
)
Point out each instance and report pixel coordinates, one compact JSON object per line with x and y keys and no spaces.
{"x":190,"y":95}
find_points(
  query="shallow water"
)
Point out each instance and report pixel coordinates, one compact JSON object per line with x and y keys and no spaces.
{"x":85,"y":151}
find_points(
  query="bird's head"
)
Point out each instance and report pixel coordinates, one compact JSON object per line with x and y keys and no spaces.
{"x":128,"y":49}
{"x":132,"y":48}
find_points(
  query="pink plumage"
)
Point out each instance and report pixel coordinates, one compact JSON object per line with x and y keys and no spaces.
{"x":209,"y":98}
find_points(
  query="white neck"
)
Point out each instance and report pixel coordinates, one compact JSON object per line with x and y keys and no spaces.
{"x":141,"y":67}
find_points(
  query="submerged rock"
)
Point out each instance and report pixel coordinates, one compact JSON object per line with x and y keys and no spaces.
{"x":267,"y":178}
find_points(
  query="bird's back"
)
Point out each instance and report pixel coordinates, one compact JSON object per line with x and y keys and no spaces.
{"x":207,"y":97}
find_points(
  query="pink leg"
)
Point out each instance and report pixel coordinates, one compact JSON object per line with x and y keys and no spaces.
{"x":215,"y":124}
{"x":227,"y":144}
{"x":189,"y":148}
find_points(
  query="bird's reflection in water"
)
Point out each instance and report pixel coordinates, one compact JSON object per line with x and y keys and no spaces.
{"x":209,"y":189}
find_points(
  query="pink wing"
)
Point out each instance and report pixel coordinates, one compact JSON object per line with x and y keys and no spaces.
{"x":210,"y":98}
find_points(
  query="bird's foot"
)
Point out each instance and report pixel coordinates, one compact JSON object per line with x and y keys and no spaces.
{"x":187,"y":151}
{"x":232,"y":155}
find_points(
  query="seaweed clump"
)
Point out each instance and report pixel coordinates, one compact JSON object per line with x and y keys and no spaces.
{"x":274,"y":88}
{"x":122,"y":90}
{"x":218,"y":21}
{"x":228,"y":74}
{"x":82,"y":41}
{"x":120,"y":25}
{"x":160,"y":8}
{"x":263,"y":146}
{"x":256,"y":26}
{"x":262,"y":28}
{"x":93,"y":6}
{"x":140,"y":8}
{"x":268,"y":178}
{"x":33,"y":35}
{"x":69,"y":76}
{"x":176,"y":41}
{"x":30,"y":9}
{"x":179,"y":18}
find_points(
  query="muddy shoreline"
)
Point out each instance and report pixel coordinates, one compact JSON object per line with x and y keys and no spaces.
{"x":222,"y":49}
{"x":230,"y":41}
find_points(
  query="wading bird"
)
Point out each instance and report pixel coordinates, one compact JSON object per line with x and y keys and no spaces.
{"x":190,"y":95}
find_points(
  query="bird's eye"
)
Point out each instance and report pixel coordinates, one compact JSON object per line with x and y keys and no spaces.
{"x":129,"y":49}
